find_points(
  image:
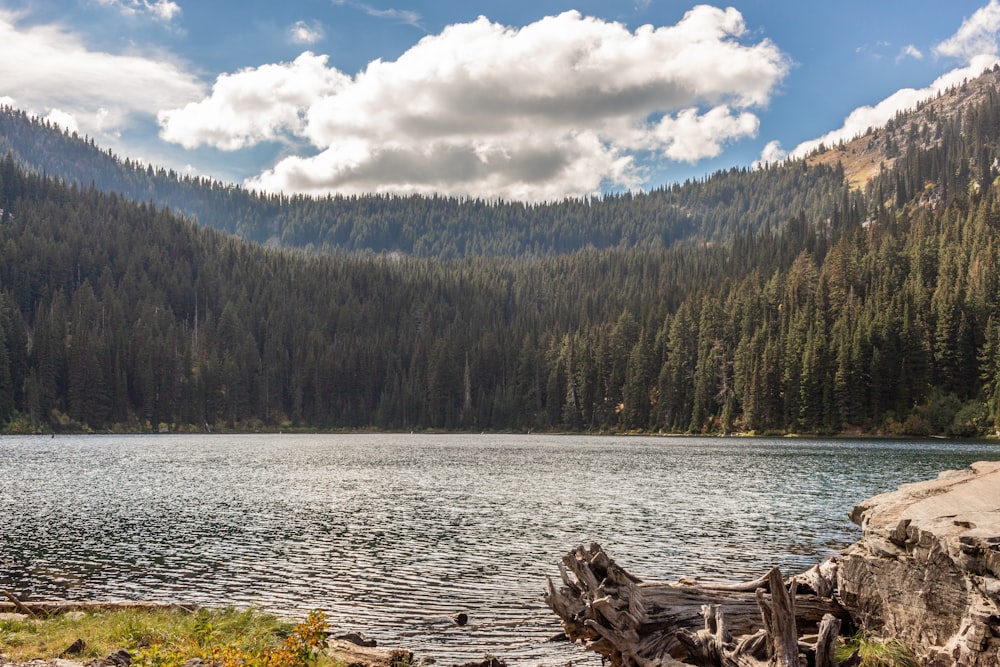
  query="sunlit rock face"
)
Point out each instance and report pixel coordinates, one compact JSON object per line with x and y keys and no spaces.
{"x":927,"y":569}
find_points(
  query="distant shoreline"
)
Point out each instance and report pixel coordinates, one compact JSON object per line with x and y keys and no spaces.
{"x":852,"y":434}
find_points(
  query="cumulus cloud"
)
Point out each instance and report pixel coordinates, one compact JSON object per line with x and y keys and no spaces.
{"x":301,"y":32}
{"x":772,"y":153}
{"x":690,"y":136}
{"x":47,"y":67}
{"x":976,"y":36}
{"x":557,"y":108}
{"x":64,"y":120}
{"x":162,"y":10}
{"x":253,"y":105}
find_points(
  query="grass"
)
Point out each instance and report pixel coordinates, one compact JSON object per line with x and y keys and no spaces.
{"x":163,"y":638}
{"x":876,"y":652}
{"x":861,"y":163}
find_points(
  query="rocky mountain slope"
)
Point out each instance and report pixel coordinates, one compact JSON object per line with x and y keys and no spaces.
{"x":878,"y":149}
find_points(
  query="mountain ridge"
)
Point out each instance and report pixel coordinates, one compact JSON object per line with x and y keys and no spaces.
{"x":709,"y":210}
{"x":878,"y":148}
{"x":697,"y":211}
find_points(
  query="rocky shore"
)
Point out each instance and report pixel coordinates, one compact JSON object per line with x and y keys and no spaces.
{"x":927,"y":567}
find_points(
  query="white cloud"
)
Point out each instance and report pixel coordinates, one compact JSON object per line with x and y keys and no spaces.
{"x":772,"y":153}
{"x":165,"y":10}
{"x":301,"y":32}
{"x":47,"y":67}
{"x":910,"y":51}
{"x":556,"y":108}
{"x":162,"y":10}
{"x":690,"y":137}
{"x":124,"y":6}
{"x":406,"y":16}
{"x":976,"y":36}
{"x":253,"y":105}
{"x":64,"y":120}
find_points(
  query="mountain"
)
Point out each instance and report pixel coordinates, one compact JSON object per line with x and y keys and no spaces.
{"x":788,"y":301}
{"x":711,"y":210}
{"x":708,"y":210}
{"x":921,"y":128}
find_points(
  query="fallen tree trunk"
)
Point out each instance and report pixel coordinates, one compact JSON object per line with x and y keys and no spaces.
{"x":18,"y":605}
{"x":648,"y":624}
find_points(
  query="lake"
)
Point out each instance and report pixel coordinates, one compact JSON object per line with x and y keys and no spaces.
{"x":391,"y":534}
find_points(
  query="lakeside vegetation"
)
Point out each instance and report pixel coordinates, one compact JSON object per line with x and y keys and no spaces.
{"x":170,"y":638}
{"x":800,"y":307}
{"x":228,"y":637}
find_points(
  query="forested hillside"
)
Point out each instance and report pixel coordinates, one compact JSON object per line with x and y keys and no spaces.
{"x":711,"y":210}
{"x":871,"y":310}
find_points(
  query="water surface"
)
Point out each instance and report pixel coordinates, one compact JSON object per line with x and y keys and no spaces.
{"x":390,"y":534}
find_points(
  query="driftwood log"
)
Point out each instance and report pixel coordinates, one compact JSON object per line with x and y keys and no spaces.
{"x":18,"y":605}
{"x":651,"y":624}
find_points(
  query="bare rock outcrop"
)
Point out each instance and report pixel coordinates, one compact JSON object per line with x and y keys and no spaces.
{"x":927,"y":567}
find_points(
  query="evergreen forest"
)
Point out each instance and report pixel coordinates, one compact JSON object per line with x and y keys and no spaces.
{"x":433,"y":227}
{"x":781,"y":299}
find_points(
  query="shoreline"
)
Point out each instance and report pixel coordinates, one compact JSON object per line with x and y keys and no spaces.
{"x":849,"y":434}
{"x":343,"y":648}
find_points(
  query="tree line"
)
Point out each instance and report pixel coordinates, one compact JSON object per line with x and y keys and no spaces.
{"x":879,"y":314}
{"x":435,"y":227}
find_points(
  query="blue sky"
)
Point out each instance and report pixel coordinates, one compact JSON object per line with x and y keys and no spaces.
{"x":519,"y":100}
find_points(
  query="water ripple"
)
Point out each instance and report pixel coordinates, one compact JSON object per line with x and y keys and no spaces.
{"x":392,"y":534}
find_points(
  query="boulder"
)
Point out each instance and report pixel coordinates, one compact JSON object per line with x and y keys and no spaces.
{"x":927,"y":567}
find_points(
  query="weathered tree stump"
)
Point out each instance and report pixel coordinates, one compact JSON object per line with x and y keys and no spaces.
{"x":647,"y":624}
